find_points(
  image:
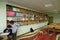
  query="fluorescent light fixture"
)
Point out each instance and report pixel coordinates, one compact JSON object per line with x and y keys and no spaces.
{"x":48,"y":5}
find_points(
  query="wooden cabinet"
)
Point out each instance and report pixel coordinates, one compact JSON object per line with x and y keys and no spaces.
{"x":50,"y":19}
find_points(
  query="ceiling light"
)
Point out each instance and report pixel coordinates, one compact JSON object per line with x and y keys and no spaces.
{"x":48,"y":5}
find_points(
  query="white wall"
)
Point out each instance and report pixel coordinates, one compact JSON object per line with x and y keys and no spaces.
{"x":26,"y":28}
{"x":2,"y":16}
{"x":56,"y":17}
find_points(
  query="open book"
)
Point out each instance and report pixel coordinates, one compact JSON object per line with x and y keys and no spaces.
{"x":4,"y":34}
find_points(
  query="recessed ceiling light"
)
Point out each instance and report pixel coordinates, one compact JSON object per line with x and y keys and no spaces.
{"x":48,"y":5}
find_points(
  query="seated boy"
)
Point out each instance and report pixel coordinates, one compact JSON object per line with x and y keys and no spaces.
{"x":8,"y":30}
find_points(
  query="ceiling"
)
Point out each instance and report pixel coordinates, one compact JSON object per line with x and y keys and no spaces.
{"x":39,"y":5}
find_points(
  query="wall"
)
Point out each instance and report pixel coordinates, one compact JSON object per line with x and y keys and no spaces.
{"x":26,"y":28}
{"x":56,"y":17}
{"x":2,"y":16}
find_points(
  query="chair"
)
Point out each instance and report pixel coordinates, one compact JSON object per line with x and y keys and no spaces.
{"x":58,"y":37}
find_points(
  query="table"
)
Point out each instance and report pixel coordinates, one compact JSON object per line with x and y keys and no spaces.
{"x":56,"y":25}
{"x":3,"y":36}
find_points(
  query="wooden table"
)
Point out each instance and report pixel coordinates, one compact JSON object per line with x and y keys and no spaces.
{"x":4,"y":36}
{"x":56,"y":25}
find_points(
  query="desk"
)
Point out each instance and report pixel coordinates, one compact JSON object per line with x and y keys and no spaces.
{"x":4,"y":36}
{"x":56,"y":25}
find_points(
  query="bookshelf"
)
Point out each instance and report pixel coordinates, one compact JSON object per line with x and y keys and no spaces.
{"x":24,"y":16}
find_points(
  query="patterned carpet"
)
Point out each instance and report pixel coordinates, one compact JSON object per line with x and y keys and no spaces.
{"x":41,"y":36}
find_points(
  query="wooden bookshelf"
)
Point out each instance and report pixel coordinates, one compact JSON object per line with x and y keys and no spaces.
{"x":24,"y":16}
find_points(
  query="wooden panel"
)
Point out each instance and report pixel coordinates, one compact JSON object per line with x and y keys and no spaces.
{"x":50,"y":20}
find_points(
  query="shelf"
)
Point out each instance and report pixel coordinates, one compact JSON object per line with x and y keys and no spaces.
{"x":25,"y":16}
